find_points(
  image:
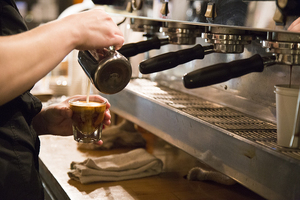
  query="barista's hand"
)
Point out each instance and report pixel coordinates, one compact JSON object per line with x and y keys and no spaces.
{"x":56,"y":119}
{"x":295,"y":26}
{"x":93,"y":29}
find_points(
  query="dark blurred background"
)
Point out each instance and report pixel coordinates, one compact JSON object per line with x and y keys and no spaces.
{"x":36,"y":12}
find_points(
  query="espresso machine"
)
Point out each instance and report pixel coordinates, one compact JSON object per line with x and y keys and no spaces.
{"x":203,"y":79}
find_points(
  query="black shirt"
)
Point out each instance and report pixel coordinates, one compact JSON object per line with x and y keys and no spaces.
{"x":19,"y":143}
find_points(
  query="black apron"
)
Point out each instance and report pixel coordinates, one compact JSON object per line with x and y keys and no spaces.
{"x":19,"y":143}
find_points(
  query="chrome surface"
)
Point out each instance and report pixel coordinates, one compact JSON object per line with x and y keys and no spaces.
{"x":248,"y":15}
{"x":286,"y":52}
{"x":231,"y":125}
{"x":181,"y":33}
{"x":227,"y":43}
{"x":143,"y":25}
{"x":227,"y":40}
{"x":236,"y":144}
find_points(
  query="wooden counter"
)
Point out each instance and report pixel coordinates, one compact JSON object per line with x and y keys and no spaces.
{"x":58,"y":152}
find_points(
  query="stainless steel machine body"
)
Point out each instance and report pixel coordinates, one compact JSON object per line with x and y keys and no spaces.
{"x":230,"y":125}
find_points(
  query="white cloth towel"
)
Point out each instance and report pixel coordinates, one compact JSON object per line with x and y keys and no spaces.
{"x":137,"y":163}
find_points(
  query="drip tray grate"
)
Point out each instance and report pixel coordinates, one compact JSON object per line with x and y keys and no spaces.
{"x":248,"y":127}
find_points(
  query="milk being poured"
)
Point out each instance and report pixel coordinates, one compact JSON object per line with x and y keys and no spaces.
{"x":88,"y":92}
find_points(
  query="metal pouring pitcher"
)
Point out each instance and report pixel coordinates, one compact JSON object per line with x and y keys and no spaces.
{"x":108,"y":70}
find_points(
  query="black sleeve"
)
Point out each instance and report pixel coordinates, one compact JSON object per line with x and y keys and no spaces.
{"x":11,"y":21}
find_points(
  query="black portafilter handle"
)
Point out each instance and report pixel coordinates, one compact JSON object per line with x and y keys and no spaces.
{"x":225,"y":71}
{"x":132,"y":49}
{"x":109,"y":2}
{"x":173,"y":59}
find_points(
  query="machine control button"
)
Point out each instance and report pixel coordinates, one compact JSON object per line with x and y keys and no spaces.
{"x":211,"y":11}
{"x":129,"y":7}
{"x":137,"y":4}
{"x":164,"y":9}
{"x":278,"y":17}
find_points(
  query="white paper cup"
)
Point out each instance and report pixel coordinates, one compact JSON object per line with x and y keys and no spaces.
{"x":286,"y":104}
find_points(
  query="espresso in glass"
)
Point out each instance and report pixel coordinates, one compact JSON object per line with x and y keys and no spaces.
{"x":87,"y":119}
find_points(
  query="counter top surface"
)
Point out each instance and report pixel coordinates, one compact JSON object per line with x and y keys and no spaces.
{"x":58,"y":152}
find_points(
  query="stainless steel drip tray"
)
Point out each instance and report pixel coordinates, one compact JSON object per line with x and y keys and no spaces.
{"x":238,"y":145}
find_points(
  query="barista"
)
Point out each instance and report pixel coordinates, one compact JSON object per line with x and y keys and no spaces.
{"x":25,"y":58}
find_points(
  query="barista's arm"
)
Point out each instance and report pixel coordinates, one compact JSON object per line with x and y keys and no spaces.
{"x":27,"y":57}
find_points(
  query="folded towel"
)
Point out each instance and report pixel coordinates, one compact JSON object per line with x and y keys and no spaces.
{"x":137,"y":163}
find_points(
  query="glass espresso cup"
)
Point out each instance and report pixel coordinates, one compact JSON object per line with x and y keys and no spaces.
{"x":87,"y":119}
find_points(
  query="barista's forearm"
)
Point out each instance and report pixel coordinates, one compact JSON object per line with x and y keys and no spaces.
{"x":39,"y":124}
{"x":25,"y":58}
